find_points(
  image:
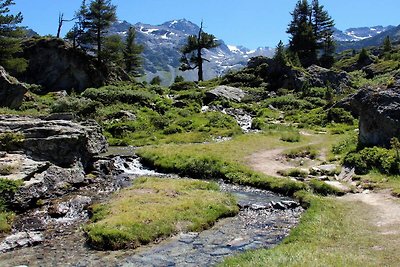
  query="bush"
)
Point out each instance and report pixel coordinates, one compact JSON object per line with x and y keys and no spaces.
{"x":339,"y":115}
{"x":10,"y":141}
{"x":80,"y":106}
{"x":128,"y":94}
{"x":183,"y":86}
{"x":291,"y":137}
{"x":371,"y":158}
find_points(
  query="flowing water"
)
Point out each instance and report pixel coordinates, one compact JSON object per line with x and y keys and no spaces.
{"x":264,"y":220}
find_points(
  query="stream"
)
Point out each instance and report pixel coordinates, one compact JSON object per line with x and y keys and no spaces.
{"x":264,"y":220}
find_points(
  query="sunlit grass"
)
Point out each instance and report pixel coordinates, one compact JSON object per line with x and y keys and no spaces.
{"x":156,"y":208}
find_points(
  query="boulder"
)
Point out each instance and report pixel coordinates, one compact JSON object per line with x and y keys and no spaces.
{"x":56,"y":65}
{"x":50,"y":183}
{"x":226,"y":93}
{"x":61,"y":142}
{"x":11,"y":90}
{"x":321,"y":77}
{"x":379,"y":111}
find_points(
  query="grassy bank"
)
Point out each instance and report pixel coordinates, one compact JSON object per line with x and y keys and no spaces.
{"x":332,"y":232}
{"x":227,"y":160}
{"x":188,"y":161}
{"x":157,"y":208}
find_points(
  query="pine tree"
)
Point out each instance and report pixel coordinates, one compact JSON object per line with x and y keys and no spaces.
{"x":132,"y":51}
{"x":100,"y":15}
{"x":323,"y":31}
{"x":387,"y":45}
{"x":10,"y":35}
{"x":78,"y":34}
{"x":280,"y":54}
{"x":303,"y":40}
{"x":192,"y":51}
{"x":112,"y":52}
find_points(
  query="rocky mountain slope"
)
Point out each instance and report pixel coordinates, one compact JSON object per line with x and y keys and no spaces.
{"x":360,"y":33}
{"x":161,"y":50}
{"x":357,"y":38}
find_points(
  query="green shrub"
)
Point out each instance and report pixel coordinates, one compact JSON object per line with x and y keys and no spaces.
{"x":183,"y":86}
{"x":291,"y":137}
{"x":339,"y":115}
{"x":288,"y":102}
{"x":80,"y":106}
{"x":11,"y":141}
{"x":371,"y":158}
{"x":302,"y":152}
{"x":129,"y":94}
{"x":172,"y":129}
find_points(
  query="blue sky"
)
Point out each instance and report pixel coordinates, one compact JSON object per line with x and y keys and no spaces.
{"x":251,"y":23}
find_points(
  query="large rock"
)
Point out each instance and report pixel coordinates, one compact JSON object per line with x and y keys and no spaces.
{"x":56,"y":65}
{"x":379,"y":111}
{"x":61,"y":142}
{"x":11,"y":90}
{"x":225,"y":92}
{"x":321,"y":77}
{"x":52,"y":182}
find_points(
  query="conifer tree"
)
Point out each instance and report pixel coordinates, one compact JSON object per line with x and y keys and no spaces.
{"x":100,"y":15}
{"x":280,"y":54}
{"x":78,"y":34}
{"x":192,"y":51}
{"x":113,"y":48}
{"x":323,"y":30}
{"x":303,"y":40}
{"x":10,"y":35}
{"x":132,"y":51}
{"x":387,"y":44}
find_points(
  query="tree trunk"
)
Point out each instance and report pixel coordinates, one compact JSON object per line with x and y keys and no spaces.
{"x":98,"y":44}
{"x":200,"y":63}
{"x":60,"y":23}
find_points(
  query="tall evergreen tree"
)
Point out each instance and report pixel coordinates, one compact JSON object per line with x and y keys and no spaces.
{"x":113,"y":48}
{"x":132,"y":51}
{"x":323,"y":31}
{"x":78,"y":34}
{"x":192,"y":51}
{"x":10,"y":35}
{"x":280,"y":54}
{"x":387,"y":44}
{"x":303,"y":41}
{"x":100,"y":15}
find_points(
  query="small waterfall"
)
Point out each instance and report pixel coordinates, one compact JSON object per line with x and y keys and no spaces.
{"x":132,"y":166}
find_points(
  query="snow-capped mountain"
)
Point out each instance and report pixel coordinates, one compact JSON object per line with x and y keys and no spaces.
{"x":162,"y":44}
{"x":360,"y":33}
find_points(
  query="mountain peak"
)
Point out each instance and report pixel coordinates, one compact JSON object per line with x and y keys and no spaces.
{"x":182,"y":25}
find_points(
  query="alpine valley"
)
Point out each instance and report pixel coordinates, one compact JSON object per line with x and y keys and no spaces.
{"x":162,"y":45}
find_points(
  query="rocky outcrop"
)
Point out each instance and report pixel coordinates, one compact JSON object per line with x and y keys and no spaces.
{"x":379,"y":111}
{"x":56,"y":65}
{"x":226,"y":93}
{"x":321,"y":77}
{"x":61,"y":142}
{"x":11,"y":90}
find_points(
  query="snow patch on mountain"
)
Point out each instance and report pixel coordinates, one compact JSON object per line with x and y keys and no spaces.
{"x":162,"y":44}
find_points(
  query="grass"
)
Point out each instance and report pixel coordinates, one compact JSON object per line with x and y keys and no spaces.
{"x":294,"y":172}
{"x":332,"y":232}
{"x":7,"y":189}
{"x":155,"y":208}
{"x":302,"y":152}
{"x":376,"y":179}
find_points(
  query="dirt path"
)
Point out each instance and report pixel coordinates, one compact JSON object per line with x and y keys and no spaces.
{"x":271,"y":161}
{"x":384,"y":210}
{"x":268,"y":162}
